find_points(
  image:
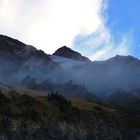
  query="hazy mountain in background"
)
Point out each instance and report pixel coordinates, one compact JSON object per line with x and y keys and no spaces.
{"x":65,"y":96}
{"x":20,"y":61}
{"x":103,"y":77}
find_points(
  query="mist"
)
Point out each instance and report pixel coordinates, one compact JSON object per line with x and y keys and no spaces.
{"x":19,"y":61}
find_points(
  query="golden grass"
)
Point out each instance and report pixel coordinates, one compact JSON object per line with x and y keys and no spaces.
{"x":89,"y":106}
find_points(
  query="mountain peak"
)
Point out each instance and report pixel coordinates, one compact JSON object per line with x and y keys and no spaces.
{"x":69,"y":53}
{"x":15,"y":48}
{"x":11,"y":40}
{"x":8,"y":44}
{"x":121,"y":58}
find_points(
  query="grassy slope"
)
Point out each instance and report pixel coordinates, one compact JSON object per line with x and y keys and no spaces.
{"x":91,"y":118}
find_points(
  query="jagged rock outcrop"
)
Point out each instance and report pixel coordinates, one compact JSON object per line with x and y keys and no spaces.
{"x":69,"y":53}
{"x":19,"y":60}
{"x":68,"y":89}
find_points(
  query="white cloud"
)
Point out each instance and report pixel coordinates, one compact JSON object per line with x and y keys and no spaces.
{"x":102,"y":44}
{"x":49,"y":24}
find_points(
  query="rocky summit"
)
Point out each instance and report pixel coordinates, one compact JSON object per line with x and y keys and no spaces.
{"x":69,"y":53}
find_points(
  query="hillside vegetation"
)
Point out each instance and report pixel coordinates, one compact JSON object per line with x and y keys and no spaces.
{"x":53,"y":117}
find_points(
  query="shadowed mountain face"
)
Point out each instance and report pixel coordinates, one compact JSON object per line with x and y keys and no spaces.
{"x":18,"y":61}
{"x":68,"y":89}
{"x":20,"y":50}
{"x":69,"y":53}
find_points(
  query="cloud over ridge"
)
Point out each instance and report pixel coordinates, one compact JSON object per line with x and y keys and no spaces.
{"x":102,"y":43}
{"x":50,"y":24}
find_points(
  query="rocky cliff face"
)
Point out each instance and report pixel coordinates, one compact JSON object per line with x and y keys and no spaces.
{"x":69,"y":53}
{"x":19,"y":60}
{"x":18,"y":50}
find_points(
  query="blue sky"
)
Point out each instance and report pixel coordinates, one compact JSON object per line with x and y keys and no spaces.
{"x":99,"y":29}
{"x":124,"y":17}
{"x":121,"y":19}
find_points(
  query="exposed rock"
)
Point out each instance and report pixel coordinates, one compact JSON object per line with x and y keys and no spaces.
{"x":69,"y":53}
